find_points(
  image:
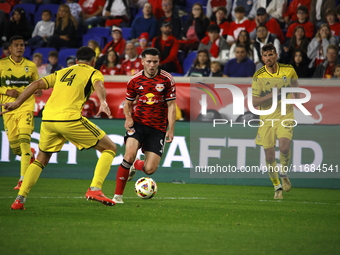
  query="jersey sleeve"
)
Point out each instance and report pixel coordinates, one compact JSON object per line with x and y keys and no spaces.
{"x":171,"y":91}
{"x":256,"y":89}
{"x":50,"y":80}
{"x":130,"y":91}
{"x":97,"y":76}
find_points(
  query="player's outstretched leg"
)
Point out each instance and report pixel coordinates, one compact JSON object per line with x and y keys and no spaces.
{"x":137,"y":165}
{"x":101,"y":171}
{"x":31,"y":177}
{"x":121,"y":179}
{"x":284,"y":159}
{"x":22,"y":177}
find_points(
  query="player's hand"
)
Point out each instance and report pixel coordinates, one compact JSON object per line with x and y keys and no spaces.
{"x":9,"y":107}
{"x":38,"y":93}
{"x":128,"y":123}
{"x":105,"y":109}
{"x":169,"y":136}
{"x":12,"y":93}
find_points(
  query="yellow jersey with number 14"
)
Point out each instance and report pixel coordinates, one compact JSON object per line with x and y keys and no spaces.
{"x":17,"y":75}
{"x":72,"y":86}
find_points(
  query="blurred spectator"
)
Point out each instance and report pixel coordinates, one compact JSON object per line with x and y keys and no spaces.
{"x":298,"y":41}
{"x":42,"y":31}
{"x":241,"y":66}
{"x":145,"y":23}
{"x":52,"y":65}
{"x":90,"y":109}
{"x":275,"y":8}
{"x":317,"y":48}
{"x":201,"y":65}
{"x":143,"y":42}
{"x":327,"y":67}
{"x":221,"y":21}
{"x":263,"y":37}
{"x":249,"y":5}
{"x":170,"y":15}
{"x":216,"y":70}
{"x":117,"y":44}
{"x":70,"y":61}
{"x":17,"y":25}
{"x":75,"y":9}
{"x":168,"y":47}
{"x":133,"y":63}
{"x":337,"y":72}
{"x":116,"y":13}
{"x":215,"y":44}
{"x":318,"y":8}
{"x":38,"y":61}
{"x":194,"y":29}
{"x":331,"y":21}
{"x":111,"y":64}
{"x":91,"y":12}
{"x":302,"y":15}
{"x":137,"y":3}
{"x":338,"y":12}
{"x":157,"y":8}
{"x":212,"y":6}
{"x":262,"y":18}
{"x":5,"y":50}
{"x":300,"y":63}
{"x":94,"y":46}
{"x":65,"y":31}
{"x":243,"y":39}
{"x":291,"y":12}
{"x":241,"y":23}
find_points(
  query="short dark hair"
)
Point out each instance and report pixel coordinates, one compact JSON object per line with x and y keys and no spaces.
{"x":269,"y":47}
{"x":240,"y":9}
{"x":261,"y":26}
{"x":53,"y":53}
{"x":150,"y":51}
{"x":333,"y":47}
{"x":14,"y":38}
{"x":85,"y":53}
{"x":213,"y":28}
{"x":47,"y":10}
{"x":241,"y":46}
{"x":302,"y":8}
{"x":222,"y":8}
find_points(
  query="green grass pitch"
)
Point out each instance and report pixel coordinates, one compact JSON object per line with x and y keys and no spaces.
{"x":180,"y":219}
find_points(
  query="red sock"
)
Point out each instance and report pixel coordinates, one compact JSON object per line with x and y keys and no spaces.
{"x":121,"y":179}
{"x":139,"y":165}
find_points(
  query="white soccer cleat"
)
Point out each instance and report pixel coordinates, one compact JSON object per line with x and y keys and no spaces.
{"x":118,"y":199}
{"x":132,"y":172}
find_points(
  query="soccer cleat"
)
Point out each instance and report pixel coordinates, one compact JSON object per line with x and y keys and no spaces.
{"x":18,"y":185}
{"x":17,"y":205}
{"x":286,"y":184}
{"x":32,"y":157}
{"x":99,"y":196}
{"x":118,"y":199}
{"x":278,"y":194}
{"x":132,"y":172}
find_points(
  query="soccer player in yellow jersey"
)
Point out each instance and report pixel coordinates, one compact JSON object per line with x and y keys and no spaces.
{"x":62,"y":120}
{"x":276,"y":125}
{"x":16,"y":74}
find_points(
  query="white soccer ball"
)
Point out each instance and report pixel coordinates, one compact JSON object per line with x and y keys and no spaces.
{"x":145,"y":187}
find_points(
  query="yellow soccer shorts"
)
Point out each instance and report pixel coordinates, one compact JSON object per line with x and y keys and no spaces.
{"x":18,"y":123}
{"x":82,"y":133}
{"x":270,"y":131}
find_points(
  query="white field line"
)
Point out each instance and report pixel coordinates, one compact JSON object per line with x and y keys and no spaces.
{"x":201,"y":198}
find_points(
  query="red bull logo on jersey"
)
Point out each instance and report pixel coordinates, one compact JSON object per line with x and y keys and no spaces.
{"x":159,"y":87}
{"x":151,"y":98}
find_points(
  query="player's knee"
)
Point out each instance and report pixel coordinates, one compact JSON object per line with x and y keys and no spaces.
{"x":284,"y":150}
{"x":149,"y":170}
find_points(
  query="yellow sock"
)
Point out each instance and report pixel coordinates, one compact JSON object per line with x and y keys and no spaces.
{"x":25,"y":148}
{"x":273,"y":173}
{"x":284,"y":160}
{"x":102,"y":168}
{"x":32,"y":175}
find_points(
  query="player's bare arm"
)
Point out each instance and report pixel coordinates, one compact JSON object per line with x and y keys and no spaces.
{"x":29,"y":91}
{"x":171,"y":119}
{"x":101,"y":93}
{"x":12,"y":93}
{"x":257,"y":101}
{"x":128,"y":116}
{"x":294,"y":83}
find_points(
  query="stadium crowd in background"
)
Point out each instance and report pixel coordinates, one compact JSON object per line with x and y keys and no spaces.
{"x":71,"y":22}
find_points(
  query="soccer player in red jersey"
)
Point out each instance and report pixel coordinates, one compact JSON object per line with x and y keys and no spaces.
{"x":150,"y":122}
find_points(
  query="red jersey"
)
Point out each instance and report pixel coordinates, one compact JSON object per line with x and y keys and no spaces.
{"x":292,"y":8}
{"x":236,"y":28}
{"x":90,"y":6}
{"x":110,"y":70}
{"x":131,"y":67}
{"x":152,"y":95}
{"x":308,"y":26}
{"x":335,"y":29}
